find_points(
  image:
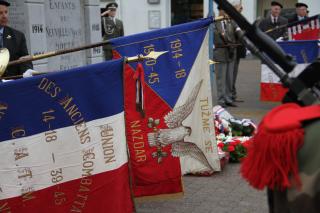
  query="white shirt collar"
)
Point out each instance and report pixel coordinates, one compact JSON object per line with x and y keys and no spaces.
{"x":274,"y":17}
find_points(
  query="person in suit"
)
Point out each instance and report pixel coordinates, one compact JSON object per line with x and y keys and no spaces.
{"x":225,"y":54}
{"x":111,"y":28}
{"x":274,"y":20}
{"x":301,"y":12}
{"x":14,"y":41}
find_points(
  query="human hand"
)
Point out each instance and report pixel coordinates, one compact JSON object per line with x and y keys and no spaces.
{"x":28,"y":73}
{"x":279,"y":39}
{"x":105,"y":13}
{"x":25,"y":57}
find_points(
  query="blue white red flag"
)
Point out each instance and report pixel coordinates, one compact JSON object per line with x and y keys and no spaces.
{"x":63,"y":144}
{"x":174,"y":135}
{"x":304,"y":52}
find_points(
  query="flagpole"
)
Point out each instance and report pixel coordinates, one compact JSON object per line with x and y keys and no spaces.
{"x":211,"y":39}
{"x":140,"y":57}
{"x":57,"y":52}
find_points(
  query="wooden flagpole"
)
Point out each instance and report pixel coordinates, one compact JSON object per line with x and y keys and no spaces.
{"x":140,"y":57}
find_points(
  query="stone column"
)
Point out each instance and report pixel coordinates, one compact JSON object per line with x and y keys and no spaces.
{"x":93,"y":30}
{"x":36,"y":31}
{"x":28,"y":17}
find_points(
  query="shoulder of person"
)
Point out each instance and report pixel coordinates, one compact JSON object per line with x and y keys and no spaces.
{"x":265,"y":19}
{"x":13,"y":31}
{"x":293,"y":18}
{"x":281,"y":18}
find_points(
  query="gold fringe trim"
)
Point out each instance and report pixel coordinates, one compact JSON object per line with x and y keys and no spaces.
{"x":159,"y":197}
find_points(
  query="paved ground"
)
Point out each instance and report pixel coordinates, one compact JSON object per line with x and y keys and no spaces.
{"x":224,"y":191}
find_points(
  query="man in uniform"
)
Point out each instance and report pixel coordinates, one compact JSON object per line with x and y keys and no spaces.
{"x":14,"y":41}
{"x":274,"y":20}
{"x":111,"y":28}
{"x":301,"y":12}
{"x":225,"y":54}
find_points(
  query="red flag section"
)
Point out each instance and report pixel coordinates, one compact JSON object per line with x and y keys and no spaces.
{"x":305,"y":30}
{"x":105,"y":192}
{"x":154,"y":170}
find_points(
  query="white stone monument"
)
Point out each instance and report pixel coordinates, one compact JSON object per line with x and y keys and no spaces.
{"x":51,"y":25}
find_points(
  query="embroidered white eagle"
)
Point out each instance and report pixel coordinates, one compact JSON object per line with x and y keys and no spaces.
{"x":176,"y":132}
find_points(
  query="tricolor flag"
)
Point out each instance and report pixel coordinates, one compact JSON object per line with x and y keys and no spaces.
{"x":62,"y":142}
{"x":174,"y":135}
{"x":308,"y":29}
{"x":304,"y":52}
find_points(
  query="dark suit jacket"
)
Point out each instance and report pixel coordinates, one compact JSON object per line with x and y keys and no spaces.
{"x":15,"y":42}
{"x":241,"y":51}
{"x":222,"y":39}
{"x":266,"y":24}
{"x":295,"y":18}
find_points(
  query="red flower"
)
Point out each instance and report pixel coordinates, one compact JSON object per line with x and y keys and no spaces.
{"x":220,"y":145}
{"x":231,"y":148}
{"x":235,"y":143}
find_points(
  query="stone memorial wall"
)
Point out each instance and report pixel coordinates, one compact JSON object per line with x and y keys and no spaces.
{"x":65,"y":30}
{"x":51,"y":25}
{"x":17,"y":12}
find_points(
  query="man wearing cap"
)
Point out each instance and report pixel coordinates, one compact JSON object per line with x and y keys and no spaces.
{"x":14,"y":41}
{"x":301,"y":12}
{"x":273,"y":21}
{"x":111,"y":28}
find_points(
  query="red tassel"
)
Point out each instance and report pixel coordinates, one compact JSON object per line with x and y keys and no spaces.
{"x":272,"y":155}
{"x":272,"y":159}
{"x":140,"y":87}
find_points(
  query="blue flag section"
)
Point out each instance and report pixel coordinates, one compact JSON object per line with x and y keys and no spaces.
{"x":88,"y":90}
{"x":302,"y":51}
{"x":182,"y":42}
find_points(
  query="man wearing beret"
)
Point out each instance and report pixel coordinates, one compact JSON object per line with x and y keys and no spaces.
{"x":273,"y":21}
{"x":14,"y":41}
{"x":301,"y":12}
{"x":111,"y":28}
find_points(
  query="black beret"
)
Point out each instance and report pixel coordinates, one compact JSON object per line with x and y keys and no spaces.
{"x":5,"y":3}
{"x":301,"y":5}
{"x":112,"y":5}
{"x":275,"y":3}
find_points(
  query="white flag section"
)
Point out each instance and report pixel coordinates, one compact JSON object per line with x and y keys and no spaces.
{"x":63,"y":144}
{"x":57,"y":156}
{"x":268,"y":76}
{"x":202,"y":132}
